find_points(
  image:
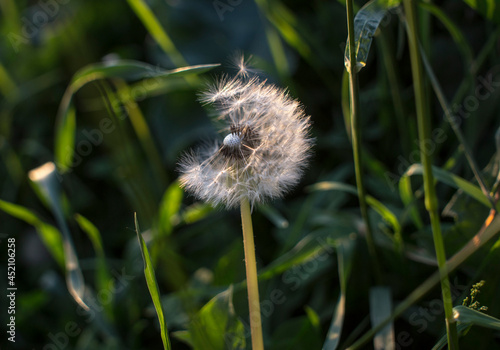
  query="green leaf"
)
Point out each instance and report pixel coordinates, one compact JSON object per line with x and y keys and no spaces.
{"x":381,"y":309}
{"x":216,"y":325}
{"x":366,"y":22}
{"x":467,"y":318}
{"x":122,"y":69}
{"x":470,"y":316}
{"x":344,"y":257}
{"x":488,"y":8}
{"x":49,"y":235}
{"x":169,"y":208}
{"x":149,"y":273}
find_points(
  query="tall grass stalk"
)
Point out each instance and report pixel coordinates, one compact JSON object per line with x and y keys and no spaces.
{"x":251,"y":271}
{"x":431,"y":202}
{"x":356,"y":138}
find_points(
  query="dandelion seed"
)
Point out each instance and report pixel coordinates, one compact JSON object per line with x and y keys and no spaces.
{"x":264,"y":149}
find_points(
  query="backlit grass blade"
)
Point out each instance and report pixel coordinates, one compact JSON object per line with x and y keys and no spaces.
{"x":45,"y":178}
{"x":152,"y":24}
{"x":344,"y":249}
{"x":50,"y":236}
{"x":149,"y":273}
{"x":366,"y":23}
{"x":128,"y":70}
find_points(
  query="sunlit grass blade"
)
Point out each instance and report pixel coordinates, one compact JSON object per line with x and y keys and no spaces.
{"x":123,"y":69}
{"x":376,"y":205}
{"x":50,"y":236}
{"x":380,"y":309}
{"x":153,"y":25}
{"x":149,"y":274}
{"x":366,"y":23}
{"x":345,"y":248}
{"x":45,"y":178}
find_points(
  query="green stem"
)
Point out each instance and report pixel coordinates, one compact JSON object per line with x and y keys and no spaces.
{"x":431,"y":202}
{"x":356,"y":138}
{"x":251,"y":270}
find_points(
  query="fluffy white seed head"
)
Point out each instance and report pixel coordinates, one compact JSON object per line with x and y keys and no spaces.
{"x":264,"y":150}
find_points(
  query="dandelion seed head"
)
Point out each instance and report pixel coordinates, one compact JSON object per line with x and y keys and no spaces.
{"x":265,"y":144}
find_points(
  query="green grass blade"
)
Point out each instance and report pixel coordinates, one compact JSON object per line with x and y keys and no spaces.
{"x":149,"y":273}
{"x":50,"y":236}
{"x":488,"y":8}
{"x":454,"y":30}
{"x":366,"y":23}
{"x":65,"y":139}
{"x":445,"y":177}
{"x":380,"y":309}
{"x":376,"y":205}
{"x":345,"y":255}
{"x":103,"y":277}
{"x":123,"y":69}
{"x":154,"y":27}
{"x":169,"y":208}
{"x":308,"y":248}
{"x":273,"y":215}
{"x":470,"y":316}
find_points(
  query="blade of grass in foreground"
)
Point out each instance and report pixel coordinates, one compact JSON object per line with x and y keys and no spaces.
{"x":149,"y":273}
{"x":431,"y":201}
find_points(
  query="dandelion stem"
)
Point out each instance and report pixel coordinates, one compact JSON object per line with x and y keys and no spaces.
{"x":251,"y":270}
{"x":356,"y":138}
{"x":431,"y":202}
